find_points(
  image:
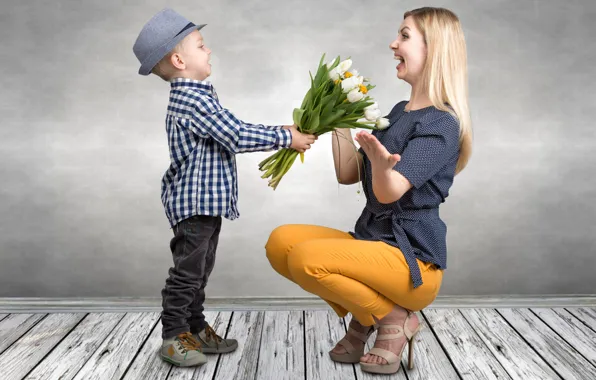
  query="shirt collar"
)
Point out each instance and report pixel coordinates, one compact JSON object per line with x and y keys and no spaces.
{"x":202,"y":85}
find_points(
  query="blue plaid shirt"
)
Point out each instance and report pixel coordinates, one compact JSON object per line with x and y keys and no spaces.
{"x":203,"y":139}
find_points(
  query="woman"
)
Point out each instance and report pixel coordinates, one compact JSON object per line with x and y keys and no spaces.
{"x":393,"y":262}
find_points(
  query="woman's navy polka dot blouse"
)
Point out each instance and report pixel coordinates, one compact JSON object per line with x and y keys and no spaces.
{"x":428,"y":142}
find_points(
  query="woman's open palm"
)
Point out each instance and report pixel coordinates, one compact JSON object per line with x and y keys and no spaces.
{"x":379,"y":156}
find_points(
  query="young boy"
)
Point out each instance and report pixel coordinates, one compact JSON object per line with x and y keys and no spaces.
{"x":200,"y":185}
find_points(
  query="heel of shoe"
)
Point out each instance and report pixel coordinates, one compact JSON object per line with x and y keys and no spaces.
{"x":411,"y":353}
{"x":411,"y":348}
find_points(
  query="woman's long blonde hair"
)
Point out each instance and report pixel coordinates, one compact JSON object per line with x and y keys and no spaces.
{"x":445,"y":74}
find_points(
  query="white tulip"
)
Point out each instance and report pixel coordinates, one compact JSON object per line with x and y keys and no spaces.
{"x":373,"y":106}
{"x":334,"y":74}
{"x":360,"y":80}
{"x":382,"y":123}
{"x":355,"y":95}
{"x":354,"y":72}
{"x":344,"y":65}
{"x":349,"y":83}
{"x":373,"y":114}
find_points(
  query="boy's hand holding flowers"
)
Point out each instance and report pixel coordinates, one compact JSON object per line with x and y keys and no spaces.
{"x":300,"y":142}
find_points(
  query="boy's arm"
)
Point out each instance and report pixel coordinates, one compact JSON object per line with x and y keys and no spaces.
{"x":268,"y":127}
{"x":210,"y":119}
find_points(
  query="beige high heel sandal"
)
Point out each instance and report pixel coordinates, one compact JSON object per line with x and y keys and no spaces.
{"x":393,"y":360}
{"x":352,"y":355}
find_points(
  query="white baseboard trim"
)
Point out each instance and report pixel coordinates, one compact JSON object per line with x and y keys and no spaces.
{"x":141,"y":304}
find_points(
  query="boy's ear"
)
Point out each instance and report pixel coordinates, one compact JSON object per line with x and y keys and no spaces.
{"x":177,"y":61}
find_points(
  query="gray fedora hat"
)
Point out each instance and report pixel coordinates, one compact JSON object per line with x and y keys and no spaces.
{"x":159,"y":36}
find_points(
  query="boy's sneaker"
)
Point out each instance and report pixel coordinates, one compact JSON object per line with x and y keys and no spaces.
{"x":183,"y":350}
{"x":212,"y":343}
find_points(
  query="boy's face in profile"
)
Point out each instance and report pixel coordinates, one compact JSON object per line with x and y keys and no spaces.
{"x":196,"y":56}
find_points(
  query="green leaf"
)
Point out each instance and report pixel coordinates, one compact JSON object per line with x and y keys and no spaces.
{"x":362,"y":105}
{"x":305,"y":100}
{"x":310,"y":95}
{"x":349,"y":107}
{"x":321,"y":74}
{"x":306,"y":122}
{"x":334,"y":116}
{"x":322,"y":60}
{"x":314,"y":124}
{"x":297,"y":116}
{"x":319,"y":93}
{"x":327,"y":104}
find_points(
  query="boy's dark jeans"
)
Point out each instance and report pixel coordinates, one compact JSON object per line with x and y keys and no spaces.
{"x":193,"y":249}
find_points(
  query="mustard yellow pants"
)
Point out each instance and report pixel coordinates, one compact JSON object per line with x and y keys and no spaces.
{"x":365,"y":278}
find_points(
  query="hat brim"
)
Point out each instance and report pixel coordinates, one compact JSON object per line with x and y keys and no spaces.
{"x":164,"y":49}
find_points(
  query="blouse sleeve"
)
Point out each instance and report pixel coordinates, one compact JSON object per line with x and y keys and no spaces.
{"x":430,"y":147}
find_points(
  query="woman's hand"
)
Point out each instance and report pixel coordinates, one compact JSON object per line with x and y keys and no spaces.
{"x":388,"y":185}
{"x":380,"y":159}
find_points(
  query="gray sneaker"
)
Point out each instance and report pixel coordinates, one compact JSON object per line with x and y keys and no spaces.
{"x":183,"y":351}
{"x":212,"y":343}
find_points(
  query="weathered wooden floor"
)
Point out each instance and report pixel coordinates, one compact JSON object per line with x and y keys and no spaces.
{"x":455,"y":344}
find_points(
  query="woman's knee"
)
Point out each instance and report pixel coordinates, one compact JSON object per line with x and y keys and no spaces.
{"x":277,"y":246}
{"x":423,"y":296}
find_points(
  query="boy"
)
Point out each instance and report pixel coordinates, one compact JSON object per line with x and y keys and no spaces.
{"x":200,"y":185}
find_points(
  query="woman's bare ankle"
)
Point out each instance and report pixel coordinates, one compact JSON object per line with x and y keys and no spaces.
{"x":358,"y":326}
{"x":357,"y":343}
{"x":397,"y":316}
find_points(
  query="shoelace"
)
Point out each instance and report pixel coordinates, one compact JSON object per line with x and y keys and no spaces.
{"x":211,"y":334}
{"x":188,"y":342}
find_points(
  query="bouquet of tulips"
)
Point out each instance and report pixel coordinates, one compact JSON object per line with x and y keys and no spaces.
{"x":337,"y":98}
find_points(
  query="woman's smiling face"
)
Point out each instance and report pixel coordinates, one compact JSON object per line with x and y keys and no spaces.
{"x":410,"y":50}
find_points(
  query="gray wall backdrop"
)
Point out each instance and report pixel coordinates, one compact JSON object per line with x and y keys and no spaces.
{"x":84,"y":145}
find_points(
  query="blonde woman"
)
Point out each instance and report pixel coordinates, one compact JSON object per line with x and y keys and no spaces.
{"x":393,"y":262}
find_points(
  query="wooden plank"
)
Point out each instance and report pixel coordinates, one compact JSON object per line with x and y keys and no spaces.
{"x":30,"y":349}
{"x":578,"y":335}
{"x":247,"y":328}
{"x":567,"y":362}
{"x":515,"y":355}
{"x":112,"y":358}
{"x":14,"y":326}
{"x":281,"y":355}
{"x":147,"y":364}
{"x":71,"y":354}
{"x":323,"y":330}
{"x":469,"y":354}
{"x":219,"y":322}
{"x":430,"y":361}
{"x":586,"y":315}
